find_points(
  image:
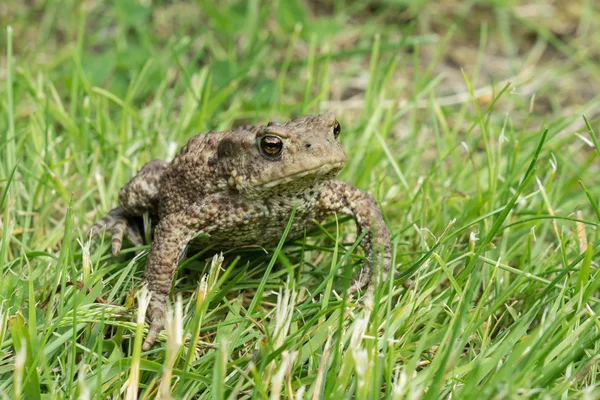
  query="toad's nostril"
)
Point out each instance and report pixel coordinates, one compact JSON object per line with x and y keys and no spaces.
{"x":307,"y":145}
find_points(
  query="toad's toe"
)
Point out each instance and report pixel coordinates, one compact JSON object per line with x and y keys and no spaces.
{"x":157,"y":321}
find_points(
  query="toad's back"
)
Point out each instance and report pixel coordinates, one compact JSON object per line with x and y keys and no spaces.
{"x":190,"y":175}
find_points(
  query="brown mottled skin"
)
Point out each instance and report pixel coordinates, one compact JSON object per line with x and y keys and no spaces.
{"x":239,"y":187}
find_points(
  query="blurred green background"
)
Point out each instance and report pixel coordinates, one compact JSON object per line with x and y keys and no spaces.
{"x":244,"y":46}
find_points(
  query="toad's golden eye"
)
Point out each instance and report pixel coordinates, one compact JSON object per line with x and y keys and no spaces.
{"x":271,"y":146}
{"x":337,"y":129}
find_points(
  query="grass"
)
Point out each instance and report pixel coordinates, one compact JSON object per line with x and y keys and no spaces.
{"x":477,"y":135}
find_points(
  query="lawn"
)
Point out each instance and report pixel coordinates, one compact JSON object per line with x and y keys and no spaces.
{"x":474,"y":124}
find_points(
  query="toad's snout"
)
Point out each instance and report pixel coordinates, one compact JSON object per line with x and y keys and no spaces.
{"x":316,"y":148}
{"x":323,"y":150}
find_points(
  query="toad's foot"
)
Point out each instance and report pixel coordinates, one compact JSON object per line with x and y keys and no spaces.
{"x":362,"y":280}
{"x":120,"y":225}
{"x":157,"y":311}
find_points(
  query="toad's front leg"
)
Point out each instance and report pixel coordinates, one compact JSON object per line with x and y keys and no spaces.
{"x":341,"y":197}
{"x":171,"y":237}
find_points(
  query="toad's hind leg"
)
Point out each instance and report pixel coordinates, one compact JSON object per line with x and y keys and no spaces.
{"x":120,"y":225}
{"x":138,"y":196}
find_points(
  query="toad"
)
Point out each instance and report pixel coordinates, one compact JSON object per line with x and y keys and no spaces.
{"x":238,"y":188}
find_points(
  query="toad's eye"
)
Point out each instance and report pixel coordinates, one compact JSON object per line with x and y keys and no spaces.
{"x":337,"y":129}
{"x":271,"y":146}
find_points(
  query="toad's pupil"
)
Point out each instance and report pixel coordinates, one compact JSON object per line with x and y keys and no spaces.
{"x":272,"y":145}
{"x":337,"y":129}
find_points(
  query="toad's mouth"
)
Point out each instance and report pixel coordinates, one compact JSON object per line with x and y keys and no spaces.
{"x":319,"y":171}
